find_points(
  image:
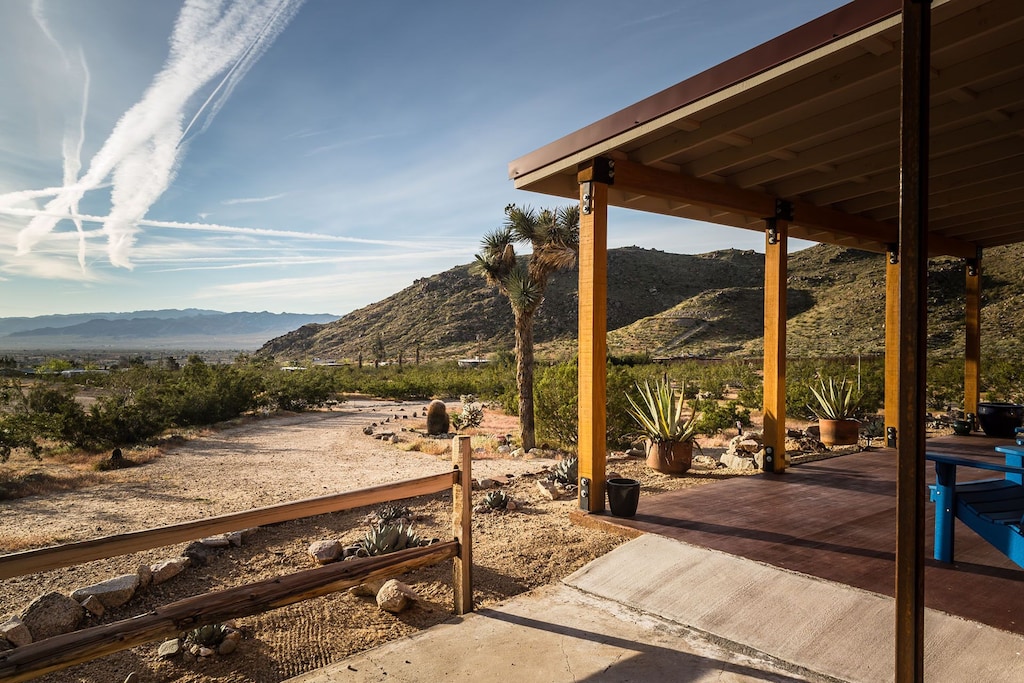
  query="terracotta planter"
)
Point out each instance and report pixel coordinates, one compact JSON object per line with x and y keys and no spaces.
{"x":670,"y":457}
{"x":839,"y":432}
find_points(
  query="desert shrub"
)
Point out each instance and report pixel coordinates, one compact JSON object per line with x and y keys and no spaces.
{"x":555,"y":399}
{"x":945,"y":384}
{"x":1003,"y":379}
{"x":714,"y":417}
{"x":802,"y":374}
{"x":298,"y":390}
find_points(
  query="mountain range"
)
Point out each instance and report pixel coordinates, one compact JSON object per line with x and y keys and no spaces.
{"x":677,"y":305}
{"x":163,"y":329}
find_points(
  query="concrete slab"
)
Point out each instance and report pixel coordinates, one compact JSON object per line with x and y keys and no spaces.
{"x":658,"y":609}
{"x":555,"y":634}
{"x":829,"y":628}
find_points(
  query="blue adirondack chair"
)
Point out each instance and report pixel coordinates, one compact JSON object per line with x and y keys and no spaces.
{"x":992,"y":508}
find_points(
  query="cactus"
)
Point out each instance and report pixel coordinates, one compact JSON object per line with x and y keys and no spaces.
{"x":210,"y":635}
{"x":386,"y":538}
{"x":566,"y":471}
{"x":496,"y":500}
{"x":437,"y":418}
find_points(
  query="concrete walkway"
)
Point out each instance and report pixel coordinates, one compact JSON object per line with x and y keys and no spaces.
{"x":655,"y":609}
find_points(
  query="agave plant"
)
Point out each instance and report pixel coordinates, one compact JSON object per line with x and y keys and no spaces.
{"x":386,"y":538}
{"x":566,"y":471}
{"x":660,"y":415}
{"x":210,"y":635}
{"x":393,"y":513}
{"x":496,"y":500}
{"x":837,"y":400}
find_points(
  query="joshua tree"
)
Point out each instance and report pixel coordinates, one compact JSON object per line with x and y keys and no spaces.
{"x":554,"y":235}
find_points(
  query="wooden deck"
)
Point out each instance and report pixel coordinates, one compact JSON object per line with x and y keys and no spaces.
{"x":836,"y":519}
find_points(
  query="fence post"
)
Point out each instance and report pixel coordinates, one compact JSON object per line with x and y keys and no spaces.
{"x":462,"y":517}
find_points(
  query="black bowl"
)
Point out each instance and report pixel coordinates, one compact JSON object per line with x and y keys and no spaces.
{"x":1000,"y":419}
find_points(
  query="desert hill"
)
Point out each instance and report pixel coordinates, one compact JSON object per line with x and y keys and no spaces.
{"x":675,"y":305}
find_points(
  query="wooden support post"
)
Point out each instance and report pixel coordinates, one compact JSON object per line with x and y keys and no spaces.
{"x":593,"y":332}
{"x":462,"y":527}
{"x":775,"y":265}
{"x":972,"y":345}
{"x":892,"y":341}
{"x":913,"y":316}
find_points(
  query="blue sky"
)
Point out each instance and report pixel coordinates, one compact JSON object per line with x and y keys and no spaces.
{"x":313,"y":156}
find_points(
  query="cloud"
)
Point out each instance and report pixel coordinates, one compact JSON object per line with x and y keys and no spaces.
{"x":252,"y":200}
{"x":143,"y":152}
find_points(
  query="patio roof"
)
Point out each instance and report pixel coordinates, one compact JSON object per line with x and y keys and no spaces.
{"x":812,"y":117}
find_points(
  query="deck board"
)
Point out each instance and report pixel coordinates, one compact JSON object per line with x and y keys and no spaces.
{"x":836,"y":519}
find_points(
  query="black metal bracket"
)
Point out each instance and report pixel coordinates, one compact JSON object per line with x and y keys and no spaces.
{"x":893,"y":250}
{"x":604,"y":170}
{"x":584,"y":493}
{"x":890,"y":437}
{"x":972,"y":266}
{"x":769,"y":458}
{"x":588,"y":197}
{"x":772,"y":230}
{"x":783,"y":212}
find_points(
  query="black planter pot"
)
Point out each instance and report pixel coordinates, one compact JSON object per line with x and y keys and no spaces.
{"x":1000,"y":419}
{"x":623,"y":496}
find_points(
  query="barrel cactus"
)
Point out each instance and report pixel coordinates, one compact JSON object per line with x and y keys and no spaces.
{"x":437,"y":418}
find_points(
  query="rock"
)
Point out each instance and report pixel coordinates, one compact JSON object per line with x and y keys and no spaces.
{"x":249,"y":532}
{"x":206,"y":652}
{"x":393,"y":439}
{"x":93,"y":605}
{"x":504,"y":449}
{"x":52,"y":614}
{"x":230,"y":643}
{"x":168,"y":569}
{"x":145,"y":575}
{"x":368,"y":589}
{"x":324,"y":552}
{"x":517,"y":453}
{"x":112,"y":592}
{"x":235,"y":538}
{"x":368,"y":431}
{"x":350,"y":551}
{"x":748,"y":446}
{"x":548,"y":489}
{"x":394,"y":596}
{"x":736,"y":461}
{"x":169,"y":648}
{"x":198,"y":553}
{"x":215,"y":541}
{"x":15,"y":632}
{"x":484,"y":484}
{"x":511,"y":505}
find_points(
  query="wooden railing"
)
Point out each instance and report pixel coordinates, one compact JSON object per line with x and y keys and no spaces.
{"x":33,"y":660}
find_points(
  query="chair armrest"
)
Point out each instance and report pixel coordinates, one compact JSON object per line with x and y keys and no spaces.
{"x":977,"y":464}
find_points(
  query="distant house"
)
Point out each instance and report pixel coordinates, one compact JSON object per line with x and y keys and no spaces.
{"x":472,"y":362}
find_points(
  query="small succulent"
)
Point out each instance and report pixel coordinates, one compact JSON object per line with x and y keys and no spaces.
{"x":386,"y":538}
{"x":496,"y":500}
{"x":210,"y":635}
{"x":393,"y":513}
{"x":566,"y":471}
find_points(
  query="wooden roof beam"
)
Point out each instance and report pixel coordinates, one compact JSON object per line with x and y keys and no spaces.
{"x":633,"y":177}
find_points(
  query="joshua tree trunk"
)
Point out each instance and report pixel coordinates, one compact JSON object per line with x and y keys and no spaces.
{"x":524,"y":378}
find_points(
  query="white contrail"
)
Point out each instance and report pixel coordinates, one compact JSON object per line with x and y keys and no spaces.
{"x":141,"y":153}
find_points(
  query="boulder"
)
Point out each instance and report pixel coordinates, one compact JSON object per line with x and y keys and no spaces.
{"x":15,"y":632}
{"x":112,"y":592}
{"x":51,"y":615}
{"x":548,"y":489}
{"x":368,"y":589}
{"x":169,"y":648}
{"x":230,"y":643}
{"x":198,"y":553}
{"x":145,"y":575}
{"x":394,"y":596}
{"x":168,"y":569}
{"x":220,"y":541}
{"x":94,"y":606}
{"x":324,"y":552}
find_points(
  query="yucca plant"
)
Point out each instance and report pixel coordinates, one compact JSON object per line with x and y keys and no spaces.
{"x":661,"y":416}
{"x":837,"y":400}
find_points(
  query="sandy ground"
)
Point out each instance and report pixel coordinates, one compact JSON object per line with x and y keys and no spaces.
{"x":280,"y":459}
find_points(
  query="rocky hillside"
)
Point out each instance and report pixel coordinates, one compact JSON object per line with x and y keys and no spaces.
{"x":672,"y":305}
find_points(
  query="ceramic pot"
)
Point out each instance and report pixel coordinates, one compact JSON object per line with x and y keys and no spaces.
{"x":839,"y":432}
{"x":1000,"y":419}
{"x":623,"y":496}
{"x":670,"y":457}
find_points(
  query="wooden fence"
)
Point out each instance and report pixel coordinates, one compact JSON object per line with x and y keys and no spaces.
{"x":33,"y":660}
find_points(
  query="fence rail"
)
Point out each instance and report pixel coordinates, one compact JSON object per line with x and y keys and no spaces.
{"x":33,"y":660}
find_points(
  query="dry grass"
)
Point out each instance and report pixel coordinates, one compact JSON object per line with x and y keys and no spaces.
{"x":427,"y":445}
